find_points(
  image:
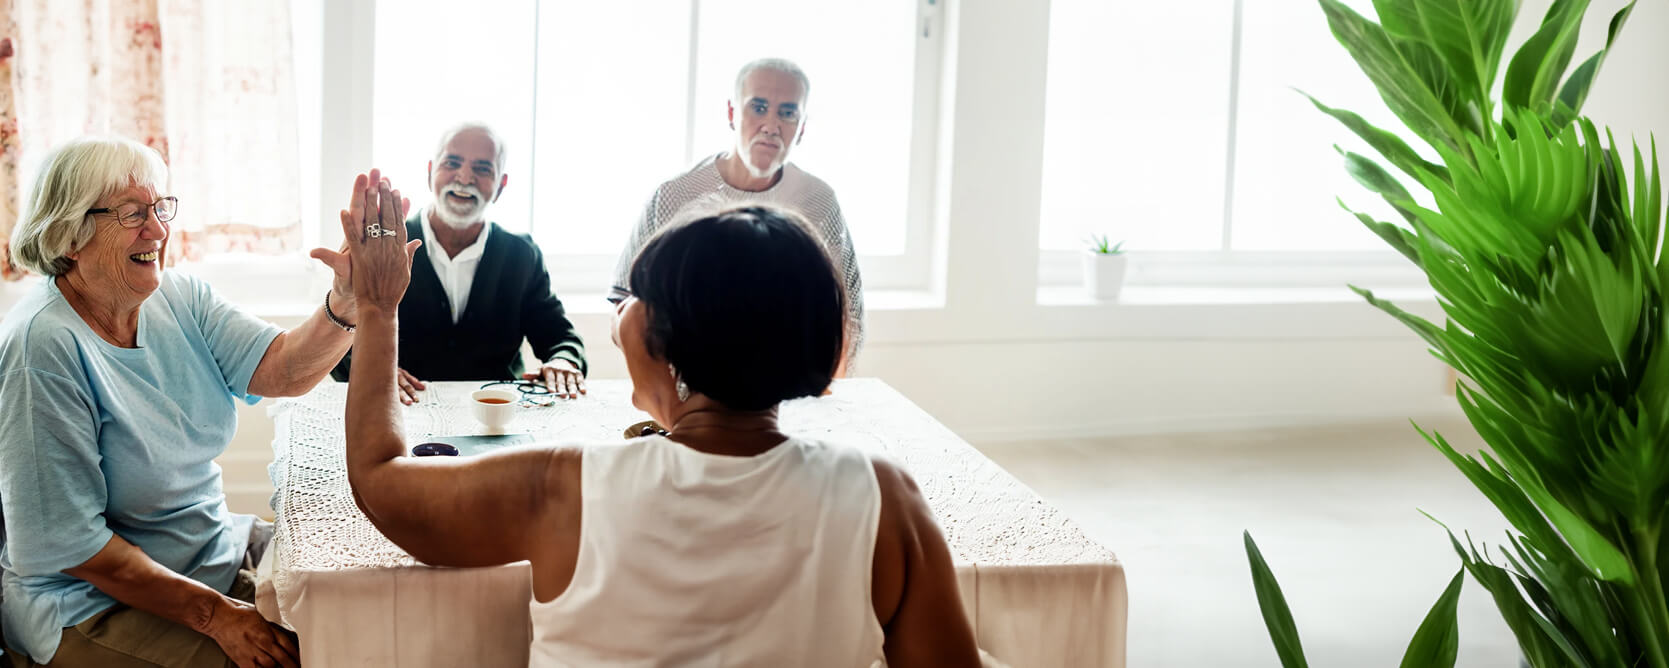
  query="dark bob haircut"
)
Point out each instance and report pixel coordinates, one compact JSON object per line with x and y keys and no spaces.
{"x":745,"y":304}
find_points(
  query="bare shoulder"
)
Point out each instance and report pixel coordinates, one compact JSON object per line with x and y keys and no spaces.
{"x":563,"y":467}
{"x":916,"y":596}
{"x":897,"y":487}
{"x":897,"y":536}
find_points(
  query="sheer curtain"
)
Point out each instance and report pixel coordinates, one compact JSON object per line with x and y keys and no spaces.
{"x":208,"y":83}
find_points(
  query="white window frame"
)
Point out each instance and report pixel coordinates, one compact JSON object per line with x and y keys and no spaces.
{"x":1226,"y":267}
{"x":346,"y":70}
{"x":346,"y":118}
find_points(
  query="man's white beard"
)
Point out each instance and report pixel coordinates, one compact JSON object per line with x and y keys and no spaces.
{"x":766,"y":171}
{"x":455,"y":215}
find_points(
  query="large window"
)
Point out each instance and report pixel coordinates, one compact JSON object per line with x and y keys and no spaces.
{"x":1159,"y":131}
{"x":1288,"y":178}
{"x":1136,"y":123}
{"x":601,"y":102}
{"x":1178,"y":128}
{"x":441,"y":63}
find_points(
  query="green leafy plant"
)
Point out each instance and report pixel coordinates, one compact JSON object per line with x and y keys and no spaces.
{"x":1549,"y":268}
{"x":1098,"y":244}
{"x":1435,"y":643}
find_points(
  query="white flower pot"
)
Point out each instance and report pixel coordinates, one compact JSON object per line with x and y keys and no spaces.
{"x":1104,"y":274}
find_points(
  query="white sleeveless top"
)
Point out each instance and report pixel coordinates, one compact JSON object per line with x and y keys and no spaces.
{"x":688,"y":559}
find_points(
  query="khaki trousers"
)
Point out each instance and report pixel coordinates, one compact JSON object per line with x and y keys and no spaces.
{"x":122,"y":637}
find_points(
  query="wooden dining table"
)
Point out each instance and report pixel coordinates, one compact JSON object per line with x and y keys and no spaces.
{"x":1039,"y":593}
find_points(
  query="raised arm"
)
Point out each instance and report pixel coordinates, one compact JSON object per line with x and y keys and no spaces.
{"x":299,"y":358}
{"x":916,"y":596}
{"x":447,"y":511}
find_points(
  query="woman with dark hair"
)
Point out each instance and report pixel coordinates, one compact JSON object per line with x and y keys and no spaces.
{"x":724,"y":543}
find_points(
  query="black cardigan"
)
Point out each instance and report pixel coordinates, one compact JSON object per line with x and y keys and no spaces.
{"x":510,"y":299}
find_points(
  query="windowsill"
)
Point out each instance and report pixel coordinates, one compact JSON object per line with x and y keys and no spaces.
{"x":874,"y":300}
{"x":1164,"y":295}
{"x":284,"y":291}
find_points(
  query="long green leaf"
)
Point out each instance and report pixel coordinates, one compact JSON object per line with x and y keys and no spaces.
{"x":1459,"y":100}
{"x":1399,"y":84}
{"x":1565,"y":586}
{"x":1534,"y":73}
{"x":1542,"y":644}
{"x":1400,"y":239}
{"x":1575,"y":91}
{"x":1437,"y":642}
{"x":1391,"y":147}
{"x":1648,"y":206}
{"x":1598,"y":554}
{"x":1276,"y":615}
{"x":1400,"y":18}
{"x":1470,"y":36}
{"x":1646,"y":222}
{"x":1375,"y":178}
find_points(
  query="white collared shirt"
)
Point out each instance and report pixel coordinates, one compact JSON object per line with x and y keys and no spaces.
{"x":456,"y":274}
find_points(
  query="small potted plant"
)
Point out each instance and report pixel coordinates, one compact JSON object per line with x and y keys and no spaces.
{"x":1104,"y":268}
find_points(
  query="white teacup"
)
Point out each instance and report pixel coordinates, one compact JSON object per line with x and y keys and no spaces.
{"x":493,"y":408}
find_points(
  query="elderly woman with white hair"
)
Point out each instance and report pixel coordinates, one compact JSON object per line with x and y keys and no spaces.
{"x":118,"y":383}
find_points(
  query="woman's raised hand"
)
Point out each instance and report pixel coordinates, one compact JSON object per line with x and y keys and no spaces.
{"x":375,"y":230}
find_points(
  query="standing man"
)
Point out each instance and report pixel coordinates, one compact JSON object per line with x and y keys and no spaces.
{"x":768,"y":114}
{"x":476,"y":289}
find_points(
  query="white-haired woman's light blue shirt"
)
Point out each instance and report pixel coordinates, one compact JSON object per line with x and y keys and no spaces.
{"x":98,"y":440}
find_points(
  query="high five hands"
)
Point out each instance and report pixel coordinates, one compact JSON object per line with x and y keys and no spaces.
{"x":373,"y":201}
{"x":376,"y":258}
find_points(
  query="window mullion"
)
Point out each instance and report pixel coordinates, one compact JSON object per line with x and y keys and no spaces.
{"x":533,"y":133}
{"x":1233,"y":129}
{"x":689,"y":82}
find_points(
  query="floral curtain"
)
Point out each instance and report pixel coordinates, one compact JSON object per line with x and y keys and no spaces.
{"x":9,"y":145}
{"x":208,"y":83}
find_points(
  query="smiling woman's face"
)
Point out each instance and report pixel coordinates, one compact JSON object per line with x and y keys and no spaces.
{"x":118,"y":261}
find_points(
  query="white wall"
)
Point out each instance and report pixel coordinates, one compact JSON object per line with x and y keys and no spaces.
{"x":1357,"y":364}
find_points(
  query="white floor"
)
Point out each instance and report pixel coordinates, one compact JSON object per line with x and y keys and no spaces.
{"x":1335,"y":511}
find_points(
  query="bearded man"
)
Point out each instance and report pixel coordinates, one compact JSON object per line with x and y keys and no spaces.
{"x":477,"y":290}
{"x":768,"y":115}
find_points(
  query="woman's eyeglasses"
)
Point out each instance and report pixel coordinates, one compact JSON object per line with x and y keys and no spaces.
{"x":133,"y":215}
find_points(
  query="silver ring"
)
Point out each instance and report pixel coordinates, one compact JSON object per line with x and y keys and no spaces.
{"x":375,"y":230}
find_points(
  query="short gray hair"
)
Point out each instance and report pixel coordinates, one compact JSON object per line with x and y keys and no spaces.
{"x":498,"y":142}
{"x":73,"y":177}
{"x":782,"y":65}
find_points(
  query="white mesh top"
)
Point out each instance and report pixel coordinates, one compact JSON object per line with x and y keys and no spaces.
{"x":703,"y":188}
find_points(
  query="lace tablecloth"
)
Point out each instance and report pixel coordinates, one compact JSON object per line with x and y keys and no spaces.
{"x":1039,"y":592}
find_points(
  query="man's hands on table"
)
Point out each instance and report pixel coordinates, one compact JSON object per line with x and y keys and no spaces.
{"x":409,"y":387}
{"x":561,"y":377}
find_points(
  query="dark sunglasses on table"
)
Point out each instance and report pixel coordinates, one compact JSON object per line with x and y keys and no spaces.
{"x":133,"y":215}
